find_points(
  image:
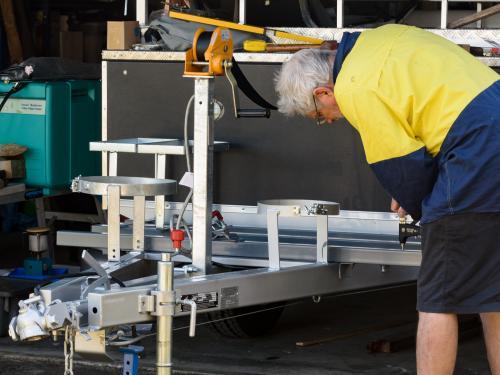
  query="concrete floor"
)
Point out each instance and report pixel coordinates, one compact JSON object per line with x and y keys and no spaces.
{"x":357,"y":318}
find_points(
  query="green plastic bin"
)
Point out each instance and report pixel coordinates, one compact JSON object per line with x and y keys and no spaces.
{"x":56,"y":121}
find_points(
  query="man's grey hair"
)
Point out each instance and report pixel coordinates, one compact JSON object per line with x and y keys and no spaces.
{"x":307,"y":69}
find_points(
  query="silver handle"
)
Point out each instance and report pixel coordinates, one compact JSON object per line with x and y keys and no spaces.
{"x":192,"y":316}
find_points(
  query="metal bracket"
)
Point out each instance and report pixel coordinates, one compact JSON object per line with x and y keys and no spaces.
{"x":102,"y":280}
{"x":317,"y":209}
{"x":131,"y":359}
{"x":273,"y":239}
{"x":160,"y":166}
{"x":322,"y":239}
{"x":146,"y":304}
{"x":113,"y":223}
{"x":164,"y":303}
{"x":345,"y":269}
{"x":158,"y":303}
{"x":138,"y":224}
{"x":234,"y":88}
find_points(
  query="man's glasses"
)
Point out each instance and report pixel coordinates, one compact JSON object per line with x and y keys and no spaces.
{"x":320,"y":120}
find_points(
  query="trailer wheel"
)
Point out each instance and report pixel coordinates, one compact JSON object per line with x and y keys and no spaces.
{"x":6,"y":316}
{"x":246,"y":322}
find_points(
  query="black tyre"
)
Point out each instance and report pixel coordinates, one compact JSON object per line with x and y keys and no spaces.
{"x":6,"y":316}
{"x":246,"y":322}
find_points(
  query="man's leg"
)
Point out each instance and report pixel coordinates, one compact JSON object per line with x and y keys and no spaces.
{"x":491,"y":329}
{"x":437,"y":340}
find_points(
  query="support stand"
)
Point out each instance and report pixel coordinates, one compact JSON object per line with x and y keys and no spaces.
{"x":131,"y":359}
{"x":203,"y":172}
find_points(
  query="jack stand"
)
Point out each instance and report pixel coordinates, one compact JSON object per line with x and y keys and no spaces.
{"x":161,"y":303}
{"x":165,"y":305}
{"x":131,"y":359}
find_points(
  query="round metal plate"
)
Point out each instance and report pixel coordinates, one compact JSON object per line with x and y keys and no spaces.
{"x":129,"y":186}
{"x":299,"y":207}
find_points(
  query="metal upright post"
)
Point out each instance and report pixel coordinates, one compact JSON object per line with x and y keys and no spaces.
{"x":203,"y":172}
{"x":164,"y":311}
{"x":142,"y":12}
{"x":340,"y":14}
{"x":104,"y":126}
{"x":444,"y":14}
{"x":321,"y":238}
{"x":242,"y":11}
{"x":160,"y":165}
{"x":113,"y":198}
{"x":138,"y":223}
{"x":273,"y":239}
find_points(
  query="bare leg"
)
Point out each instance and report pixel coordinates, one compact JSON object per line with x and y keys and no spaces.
{"x":491,"y":329}
{"x":437,"y":340}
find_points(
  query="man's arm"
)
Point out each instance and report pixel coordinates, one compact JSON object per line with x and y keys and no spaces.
{"x":396,"y":208}
{"x":399,"y":159}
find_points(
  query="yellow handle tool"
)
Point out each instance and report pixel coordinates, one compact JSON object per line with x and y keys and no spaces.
{"x":246,"y":28}
{"x":254,"y":45}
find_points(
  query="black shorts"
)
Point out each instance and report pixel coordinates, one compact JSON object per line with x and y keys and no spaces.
{"x":460,"y":271}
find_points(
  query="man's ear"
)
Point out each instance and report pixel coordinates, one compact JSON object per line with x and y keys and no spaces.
{"x":325,"y":96}
{"x":322,"y":90}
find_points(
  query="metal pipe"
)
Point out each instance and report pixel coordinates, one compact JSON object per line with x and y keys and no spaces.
{"x":192,"y":315}
{"x":160,"y":166}
{"x":203,"y":171}
{"x":164,"y":321}
{"x":340,"y":14}
{"x":242,"y":12}
{"x":142,"y":12}
{"x":444,"y":14}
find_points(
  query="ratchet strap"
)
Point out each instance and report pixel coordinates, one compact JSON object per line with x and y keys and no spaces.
{"x":247,"y":89}
{"x":204,"y":42}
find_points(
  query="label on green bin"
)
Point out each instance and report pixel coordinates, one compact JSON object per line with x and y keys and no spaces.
{"x":24,"y":106}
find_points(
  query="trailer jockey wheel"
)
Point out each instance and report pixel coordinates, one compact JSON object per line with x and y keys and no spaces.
{"x":246,"y":322}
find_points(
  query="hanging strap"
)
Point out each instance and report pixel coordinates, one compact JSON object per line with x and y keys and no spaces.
{"x":15,"y":88}
{"x":247,"y":89}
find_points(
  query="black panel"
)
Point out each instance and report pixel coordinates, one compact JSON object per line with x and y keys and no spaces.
{"x":275,"y":158}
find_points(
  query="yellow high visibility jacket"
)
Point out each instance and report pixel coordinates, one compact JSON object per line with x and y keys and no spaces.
{"x":428,"y":114}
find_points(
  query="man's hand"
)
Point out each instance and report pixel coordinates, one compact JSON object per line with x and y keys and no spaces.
{"x":396,"y":207}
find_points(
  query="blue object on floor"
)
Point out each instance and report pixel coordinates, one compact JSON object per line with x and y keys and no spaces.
{"x":131,"y":359}
{"x":37,"y":267}
{"x":20,"y":273}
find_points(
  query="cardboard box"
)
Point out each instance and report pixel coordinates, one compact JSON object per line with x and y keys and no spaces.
{"x":71,"y":45}
{"x":123,"y":34}
{"x":14,"y":168}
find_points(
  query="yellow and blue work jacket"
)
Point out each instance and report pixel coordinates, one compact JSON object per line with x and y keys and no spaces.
{"x":428,"y":114}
